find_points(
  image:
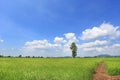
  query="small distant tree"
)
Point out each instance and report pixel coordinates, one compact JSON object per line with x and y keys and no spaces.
{"x":38,"y":57}
{"x":9,"y":56}
{"x":33,"y":56}
{"x":28,"y":56}
{"x":41,"y":57}
{"x":20,"y":56}
{"x":1,"y":56}
{"x":73,"y":48}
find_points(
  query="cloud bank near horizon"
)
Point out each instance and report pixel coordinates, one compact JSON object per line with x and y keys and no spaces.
{"x":95,"y":41}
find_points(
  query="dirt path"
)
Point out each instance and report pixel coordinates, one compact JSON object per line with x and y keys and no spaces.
{"x":101,"y":74}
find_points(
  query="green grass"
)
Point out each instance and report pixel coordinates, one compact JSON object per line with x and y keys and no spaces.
{"x":47,"y":69}
{"x":113,"y":66}
{"x":50,"y":68}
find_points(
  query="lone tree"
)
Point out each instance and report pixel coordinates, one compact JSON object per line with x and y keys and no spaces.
{"x":73,"y":47}
{"x":20,"y":56}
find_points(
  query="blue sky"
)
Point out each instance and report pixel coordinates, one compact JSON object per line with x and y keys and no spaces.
{"x":47,"y":27}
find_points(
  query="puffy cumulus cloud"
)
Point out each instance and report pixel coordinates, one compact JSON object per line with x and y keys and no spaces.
{"x":44,"y":48}
{"x":59,"y":40}
{"x":57,"y":46}
{"x":41,"y":47}
{"x":94,"y":46}
{"x":105,"y":30}
{"x":98,"y":49}
{"x":95,"y":43}
{"x":114,"y":49}
{"x":71,"y":37}
{"x":1,"y":40}
{"x":60,"y":45}
{"x":116,"y":46}
{"x":40,"y":44}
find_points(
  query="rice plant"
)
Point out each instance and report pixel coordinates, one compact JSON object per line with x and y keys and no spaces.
{"x":53,"y":68}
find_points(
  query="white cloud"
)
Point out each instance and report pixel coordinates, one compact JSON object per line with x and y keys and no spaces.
{"x":98,"y":49}
{"x":116,"y":45}
{"x":1,"y":40}
{"x":60,"y":46}
{"x":71,"y":37}
{"x":93,"y":44}
{"x":40,"y":48}
{"x":44,"y":48}
{"x":105,"y":30}
{"x":38,"y":44}
{"x":114,"y":49}
{"x":59,"y":40}
{"x":57,"y":46}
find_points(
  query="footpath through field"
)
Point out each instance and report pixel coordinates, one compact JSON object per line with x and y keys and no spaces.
{"x":101,"y":74}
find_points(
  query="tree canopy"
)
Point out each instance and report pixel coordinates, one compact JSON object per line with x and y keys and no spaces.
{"x":73,"y":48}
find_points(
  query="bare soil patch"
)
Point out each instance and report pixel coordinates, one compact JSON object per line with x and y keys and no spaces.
{"x":101,"y":74}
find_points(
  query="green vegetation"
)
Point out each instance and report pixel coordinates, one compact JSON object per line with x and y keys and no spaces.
{"x":113,"y":66}
{"x":52,"y":68}
{"x":47,"y":69}
{"x":73,"y":47}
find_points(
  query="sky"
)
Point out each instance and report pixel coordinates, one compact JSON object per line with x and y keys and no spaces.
{"x":48,"y":27}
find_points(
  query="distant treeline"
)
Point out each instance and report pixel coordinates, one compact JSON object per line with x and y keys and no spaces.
{"x":20,"y":56}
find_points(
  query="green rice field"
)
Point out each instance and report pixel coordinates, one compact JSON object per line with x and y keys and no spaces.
{"x":113,"y":66}
{"x":54,"y":68}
